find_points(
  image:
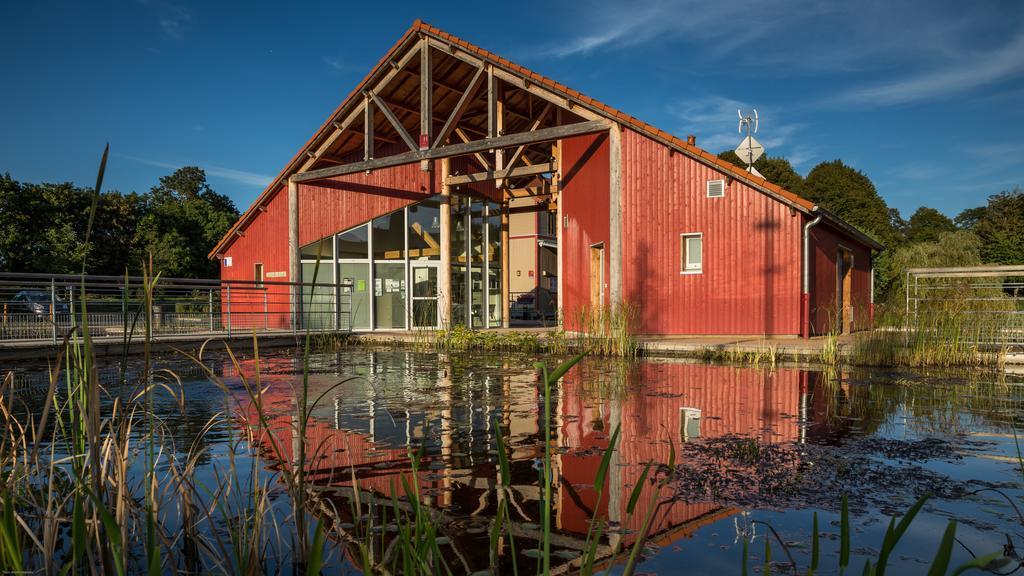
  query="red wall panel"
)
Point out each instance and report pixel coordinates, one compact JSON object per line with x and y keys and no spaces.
{"x":265,"y":241}
{"x":750,"y":283}
{"x":330,"y":206}
{"x":584,"y":199}
{"x":826,"y":242}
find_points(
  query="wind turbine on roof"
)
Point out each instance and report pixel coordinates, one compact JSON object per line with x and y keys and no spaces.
{"x":749,"y":149}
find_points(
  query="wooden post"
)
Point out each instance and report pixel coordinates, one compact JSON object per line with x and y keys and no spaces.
{"x":615,"y":214}
{"x":505,"y":276}
{"x":294,"y":258}
{"x":444,"y":279}
{"x":426,"y":102}
{"x":368,"y":130}
{"x":556,"y":195}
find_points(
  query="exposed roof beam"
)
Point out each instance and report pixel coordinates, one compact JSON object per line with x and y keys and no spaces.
{"x":514,"y":159}
{"x":460,"y":108}
{"x":479,"y":157}
{"x":501,"y":174}
{"x":395,"y":122}
{"x":426,"y":95}
{"x":339,"y":128}
{"x":452,"y":150}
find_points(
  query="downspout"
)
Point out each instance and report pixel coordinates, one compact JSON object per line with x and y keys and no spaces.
{"x":805,"y":296}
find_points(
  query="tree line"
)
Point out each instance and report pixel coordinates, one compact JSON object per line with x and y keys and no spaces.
{"x":989,"y":234}
{"x":178,"y":222}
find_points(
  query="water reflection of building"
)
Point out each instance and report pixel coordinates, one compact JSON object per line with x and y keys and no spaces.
{"x":422,"y":400}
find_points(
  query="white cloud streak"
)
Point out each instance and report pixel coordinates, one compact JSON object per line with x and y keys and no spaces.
{"x":875,"y":52}
{"x":955,"y":76}
{"x":231,"y":174}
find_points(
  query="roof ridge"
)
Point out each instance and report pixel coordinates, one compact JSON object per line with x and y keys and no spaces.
{"x":614,"y":114}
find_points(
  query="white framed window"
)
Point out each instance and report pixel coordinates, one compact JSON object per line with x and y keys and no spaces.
{"x":716,"y":188}
{"x":691,"y":248}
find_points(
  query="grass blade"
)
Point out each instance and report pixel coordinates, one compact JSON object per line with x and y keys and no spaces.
{"x":844,"y":534}
{"x":941,"y":562}
{"x":815,"y":549}
{"x":315,"y":561}
{"x":990,"y":562}
{"x":637,"y":489}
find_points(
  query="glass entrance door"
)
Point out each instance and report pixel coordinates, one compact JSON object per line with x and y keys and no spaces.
{"x":424,"y":294}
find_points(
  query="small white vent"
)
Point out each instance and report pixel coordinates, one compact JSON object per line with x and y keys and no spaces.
{"x":716,"y":188}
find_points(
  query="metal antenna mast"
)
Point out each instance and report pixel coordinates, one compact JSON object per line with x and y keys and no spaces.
{"x":749,"y":149}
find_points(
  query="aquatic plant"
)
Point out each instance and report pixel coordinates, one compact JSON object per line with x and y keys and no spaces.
{"x":877,"y":567}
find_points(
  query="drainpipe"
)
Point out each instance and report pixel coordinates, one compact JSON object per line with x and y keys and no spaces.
{"x":805,"y":296}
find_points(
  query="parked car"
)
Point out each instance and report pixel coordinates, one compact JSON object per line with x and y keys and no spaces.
{"x":523,"y":308}
{"x":36,"y":302}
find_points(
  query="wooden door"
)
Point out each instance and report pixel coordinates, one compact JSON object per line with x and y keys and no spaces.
{"x":596,"y":276}
{"x":844,"y":261}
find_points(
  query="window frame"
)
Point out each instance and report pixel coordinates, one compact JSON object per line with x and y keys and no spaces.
{"x":261,"y":276}
{"x":684,"y":252}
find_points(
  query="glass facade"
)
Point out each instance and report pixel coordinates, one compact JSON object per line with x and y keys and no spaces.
{"x":389,"y":267}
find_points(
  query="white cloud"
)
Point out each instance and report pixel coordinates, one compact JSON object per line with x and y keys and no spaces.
{"x":713,"y":119}
{"x":721,"y":26}
{"x":240,"y":176}
{"x":955,"y":75}
{"x":171,"y":18}
{"x":926,"y":49}
{"x":333,"y":63}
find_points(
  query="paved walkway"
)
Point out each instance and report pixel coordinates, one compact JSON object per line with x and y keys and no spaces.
{"x":783,"y":348}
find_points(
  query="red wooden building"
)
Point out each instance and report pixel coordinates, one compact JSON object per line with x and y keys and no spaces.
{"x":405,"y":194}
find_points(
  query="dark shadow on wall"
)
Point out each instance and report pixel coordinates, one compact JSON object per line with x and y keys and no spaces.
{"x":770,"y":270}
{"x":582,"y":161}
{"x":372,"y":190}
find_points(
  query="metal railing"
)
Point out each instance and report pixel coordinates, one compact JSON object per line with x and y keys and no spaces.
{"x":49,"y":306}
{"x":538,"y":305}
{"x":984,"y":304}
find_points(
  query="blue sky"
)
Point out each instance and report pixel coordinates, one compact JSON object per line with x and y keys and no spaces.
{"x":926,"y":97}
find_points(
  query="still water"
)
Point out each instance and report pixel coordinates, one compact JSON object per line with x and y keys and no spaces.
{"x":754,"y":447}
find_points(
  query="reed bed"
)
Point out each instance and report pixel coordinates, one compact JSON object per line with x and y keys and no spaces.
{"x":599,"y":332}
{"x":932,"y":337}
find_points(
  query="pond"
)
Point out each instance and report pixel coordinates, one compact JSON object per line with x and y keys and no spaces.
{"x":756,"y":450}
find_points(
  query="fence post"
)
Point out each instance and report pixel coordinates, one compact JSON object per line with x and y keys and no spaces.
{"x":53,"y":310}
{"x":228,"y":311}
{"x":266,"y":321}
{"x":211,"y":309}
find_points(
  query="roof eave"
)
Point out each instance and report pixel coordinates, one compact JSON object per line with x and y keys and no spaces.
{"x":849,"y":229}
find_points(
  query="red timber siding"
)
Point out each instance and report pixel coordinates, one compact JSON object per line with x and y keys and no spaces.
{"x":265,"y":241}
{"x":752,"y":403}
{"x":750,"y":282}
{"x":584,"y":199}
{"x":825,"y":245}
{"x":330,"y":206}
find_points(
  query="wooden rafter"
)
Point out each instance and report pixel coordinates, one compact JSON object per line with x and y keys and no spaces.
{"x":464,"y":149}
{"x":501,"y":174}
{"x":460,"y":108}
{"x":514,"y":159}
{"x":368,"y":138}
{"x":395,"y":122}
